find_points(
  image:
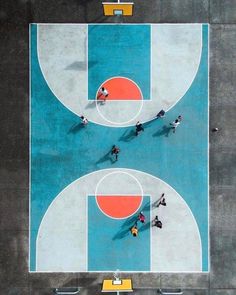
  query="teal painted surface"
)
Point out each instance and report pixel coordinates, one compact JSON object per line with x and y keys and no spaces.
{"x":108,"y":237}
{"x":119,"y":50}
{"x":62,"y":151}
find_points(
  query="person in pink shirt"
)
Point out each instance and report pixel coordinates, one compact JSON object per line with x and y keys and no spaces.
{"x":141,"y":217}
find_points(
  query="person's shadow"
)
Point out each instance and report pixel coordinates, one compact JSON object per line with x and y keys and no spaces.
{"x":91,"y":105}
{"x":128,"y":135}
{"x":76,"y":128}
{"x":121,"y":234}
{"x":105,"y":158}
{"x":125,"y":228}
{"x":130,"y":221}
{"x":164,"y":132}
{"x":145,"y":226}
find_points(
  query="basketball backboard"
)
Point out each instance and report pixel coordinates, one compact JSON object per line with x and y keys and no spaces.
{"x":112,"y":8}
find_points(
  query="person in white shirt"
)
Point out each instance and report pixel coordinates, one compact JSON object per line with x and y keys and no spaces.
{"x":103,"y":94}
{"x":175,"y":124}
{"x":84,"y":120}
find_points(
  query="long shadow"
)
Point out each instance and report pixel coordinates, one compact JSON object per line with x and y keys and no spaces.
{"x":77,"y":66}
{"x":76,"y":128}
{"x":149,"y":123}
{"x":127,"y":136}
{"x":146,"y":207}
{"x":105,"y":158}
{"x":91,"y":105}
{"x":130,"y":221}
{"x":80,"y":65}
{"x":145,"y":226}
{"x":121,"y":234}
{"x":156,"y":203}
{"x":164,"y":132}
{"x":126,"y":226}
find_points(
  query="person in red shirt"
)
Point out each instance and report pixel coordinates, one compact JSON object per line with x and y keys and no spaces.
{"x":115,"y":151}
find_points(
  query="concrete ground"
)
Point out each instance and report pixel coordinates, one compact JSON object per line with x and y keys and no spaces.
{"x":14,"y":186}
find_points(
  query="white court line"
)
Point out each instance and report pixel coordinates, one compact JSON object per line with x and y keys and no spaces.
{"x":30,"y":56}
{"x":119,"y":172}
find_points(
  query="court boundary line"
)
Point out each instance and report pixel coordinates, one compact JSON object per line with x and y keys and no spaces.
{"x":29,"y":149}
{"x":208,"y":143}
{"x":86,"y":231}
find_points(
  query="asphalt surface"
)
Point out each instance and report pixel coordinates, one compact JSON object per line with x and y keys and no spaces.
{"x":15,"y":17}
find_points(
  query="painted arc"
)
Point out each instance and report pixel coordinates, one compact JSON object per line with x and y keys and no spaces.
{"x":119,"y":182}
{"x":124,"y":102}
{"x":119,"y":206}
{"x":62,"y":239}
{"x":176,"y":54}
{"x":122,"y":88}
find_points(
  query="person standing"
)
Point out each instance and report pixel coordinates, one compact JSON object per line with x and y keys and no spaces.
{"x":103,"y":94}
{"x":139,"y":128}
{"x":84,"y":120}
{"x":180,"y":118}
{"x":162,"y":201}
{"x":161,"y":114}
{"x":141,"y":217}
{"x":134,"y":230}
{"x":175,"y":124}
{"x":115,"y":151}
{"x":157,"y":222}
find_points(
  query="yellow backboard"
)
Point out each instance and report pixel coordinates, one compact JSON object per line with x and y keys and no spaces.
{"x":124,"y":285}
{"x":124,"y":8}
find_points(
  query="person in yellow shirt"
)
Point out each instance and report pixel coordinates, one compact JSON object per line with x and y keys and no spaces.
{"x":134,"y":230}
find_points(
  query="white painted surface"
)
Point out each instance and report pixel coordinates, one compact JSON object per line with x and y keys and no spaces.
{"x":62,"y":54}
{"x":62,"y":237}
{"x":176,"y":53}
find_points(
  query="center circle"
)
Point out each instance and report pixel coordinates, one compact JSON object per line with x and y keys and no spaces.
{"x":119,"y":195}
{"x":123,"y":102}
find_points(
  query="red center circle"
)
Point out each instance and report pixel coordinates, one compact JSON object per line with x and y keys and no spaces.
{"x":119,"y":206}
{"x":121,"y":88}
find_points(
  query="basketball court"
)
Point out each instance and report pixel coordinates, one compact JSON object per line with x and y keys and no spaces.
{"x":82,"y":202}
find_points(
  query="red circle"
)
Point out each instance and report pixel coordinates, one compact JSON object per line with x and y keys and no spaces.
{"x":121,"y":88}
{"x":119,"y":206}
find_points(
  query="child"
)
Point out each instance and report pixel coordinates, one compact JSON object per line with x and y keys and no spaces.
{"x":162,"y":201}
{"x":157,"y":222}
{"x":84,"y":120}
{"x":103,"y":93}
{"x":139,"y":128}
{"x":161,"y":114}
{"x":134,"y":230}
{"x":115,"y":151}
{"x":175,"y":124}
{"x":141,"y":217}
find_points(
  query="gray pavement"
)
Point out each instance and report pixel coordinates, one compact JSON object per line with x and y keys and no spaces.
{"x":14,"y":128}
